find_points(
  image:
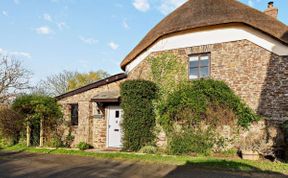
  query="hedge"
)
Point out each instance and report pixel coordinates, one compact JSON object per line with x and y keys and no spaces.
{"x":139,"y":117}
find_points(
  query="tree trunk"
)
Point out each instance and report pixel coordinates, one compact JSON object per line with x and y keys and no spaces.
{"x":41,"y":133}
{"x":28,"y":135}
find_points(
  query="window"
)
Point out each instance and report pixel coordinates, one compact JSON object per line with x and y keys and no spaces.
{"x":74,"y":114}
{"x":117,"y":114}
{"x":199,"y":66}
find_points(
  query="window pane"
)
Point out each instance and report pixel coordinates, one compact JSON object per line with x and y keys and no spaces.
{"x":117,"y":114}
{"x":194,"y":58}
{"x":193,"y":73}
{"x":206,"y":57}
{"x":204,"y":72}
{"x":194,"y":64}
{"x":204,"y":63}
{"x":74,"y":114}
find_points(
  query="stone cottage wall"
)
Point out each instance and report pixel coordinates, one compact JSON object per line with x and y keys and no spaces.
{"x":259,"y":77}
{"x":90,"y":129}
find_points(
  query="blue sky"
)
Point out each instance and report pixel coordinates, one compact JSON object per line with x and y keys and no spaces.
{"x":83,"y":35}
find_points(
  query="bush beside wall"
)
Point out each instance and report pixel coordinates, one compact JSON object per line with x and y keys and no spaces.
{"x":139,"y":116}
{"x":192,"y":113}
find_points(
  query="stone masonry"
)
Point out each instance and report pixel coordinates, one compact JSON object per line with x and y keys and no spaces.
{"x":90,"y":129}
{"x":259,"y":77}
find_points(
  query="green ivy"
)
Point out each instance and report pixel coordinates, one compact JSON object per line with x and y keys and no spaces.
{"x":167,"y":71}
{"x":139,"y":117}
{"x":197,"y":95}
{"x":185,"y":109}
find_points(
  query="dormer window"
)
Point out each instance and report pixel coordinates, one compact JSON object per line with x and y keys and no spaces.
{"x":199,"y":66}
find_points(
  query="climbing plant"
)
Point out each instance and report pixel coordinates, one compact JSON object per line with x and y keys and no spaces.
{"x":139,"y":117}
{"x":41,"y":113}
{"x":190,"y":114}
{"x":167,"y":70}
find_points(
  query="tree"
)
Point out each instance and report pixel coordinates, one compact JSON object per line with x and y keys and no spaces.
{"x":65,"y":81}
{"x":37,"y":109}
{"x":82,"y":79}
{"x":11,"y":124}
{"x":14,"y":78}
{"x":55,"y":85}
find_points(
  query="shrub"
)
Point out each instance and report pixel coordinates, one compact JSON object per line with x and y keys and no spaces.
{"x":148,"y":150}
{"x":68,"y":140}
{"x":38,"y":109}
{"x":83,"y":146}
{"x":191,"y":114}
{"x":139,"y":117}
{"x":55,"y":142}
{"x":195,"y":97}
{"x":192,"y":142}
{"x":11,"y":125}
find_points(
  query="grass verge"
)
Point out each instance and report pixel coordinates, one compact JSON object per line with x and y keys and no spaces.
{"x":229,"y":164}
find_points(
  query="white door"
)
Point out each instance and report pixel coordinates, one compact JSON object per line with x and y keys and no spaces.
{"x":114,"y":134}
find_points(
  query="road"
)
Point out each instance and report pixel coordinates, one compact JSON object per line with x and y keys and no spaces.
{"x":28,"y":165}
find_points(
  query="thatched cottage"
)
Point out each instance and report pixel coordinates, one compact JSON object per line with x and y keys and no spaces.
{"x":223,"y":39}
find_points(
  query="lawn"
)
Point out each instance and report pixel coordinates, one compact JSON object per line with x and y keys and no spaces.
{"x":229,"y":163}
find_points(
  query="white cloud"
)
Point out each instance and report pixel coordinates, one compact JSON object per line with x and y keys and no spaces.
{"x":44,"y":30}
{"x":16,"y":2}
{"x":141,"y":5}
{"x":20,"y":54}
{"x":90,"y":41}
{"x":168,"y":6}
{"x":125,"y":24}
{"x":113,"y":45}
{"x":47,"y":17}
{"x":5,"y":13}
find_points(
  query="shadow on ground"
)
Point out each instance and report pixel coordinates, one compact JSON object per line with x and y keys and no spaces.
{"x":20,"y":164}
{"x":211,"y":168}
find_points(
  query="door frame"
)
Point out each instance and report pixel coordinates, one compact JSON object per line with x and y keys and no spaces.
{"x":107,"y":110}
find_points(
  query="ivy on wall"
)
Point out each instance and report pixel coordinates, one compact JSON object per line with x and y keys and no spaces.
{"x":190,"y":115}
{"x":167,"y":70}
{"x":139,"y":116}
{"x":190,"y":111}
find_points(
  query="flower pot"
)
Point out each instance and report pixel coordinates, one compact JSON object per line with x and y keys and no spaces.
{"x":250,"y":155}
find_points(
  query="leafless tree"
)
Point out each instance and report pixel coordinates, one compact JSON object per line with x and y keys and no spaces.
{"x":14,"y":78}
{"x":65,"y":81}
{"x":55,"y":85}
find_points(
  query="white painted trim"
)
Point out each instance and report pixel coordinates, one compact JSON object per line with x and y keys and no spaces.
{"x":107,"y":115}
{"x":212,"y":36}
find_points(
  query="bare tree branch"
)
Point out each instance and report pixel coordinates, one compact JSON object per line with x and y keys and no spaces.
{"x":14,"y":78}
{"x":55,"y":85}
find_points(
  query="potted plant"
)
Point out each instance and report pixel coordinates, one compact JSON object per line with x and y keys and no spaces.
{"x":248,"y":149}
{"x":251,"y":147}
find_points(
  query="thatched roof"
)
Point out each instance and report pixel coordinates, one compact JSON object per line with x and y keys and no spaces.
{"x":203,"y":13}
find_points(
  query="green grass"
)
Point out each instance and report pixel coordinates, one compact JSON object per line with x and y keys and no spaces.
{"x":229,"y":164}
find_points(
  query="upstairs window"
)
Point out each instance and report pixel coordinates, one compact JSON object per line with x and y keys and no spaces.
{"x":74,"y":114}
{"x":199,"y":66}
